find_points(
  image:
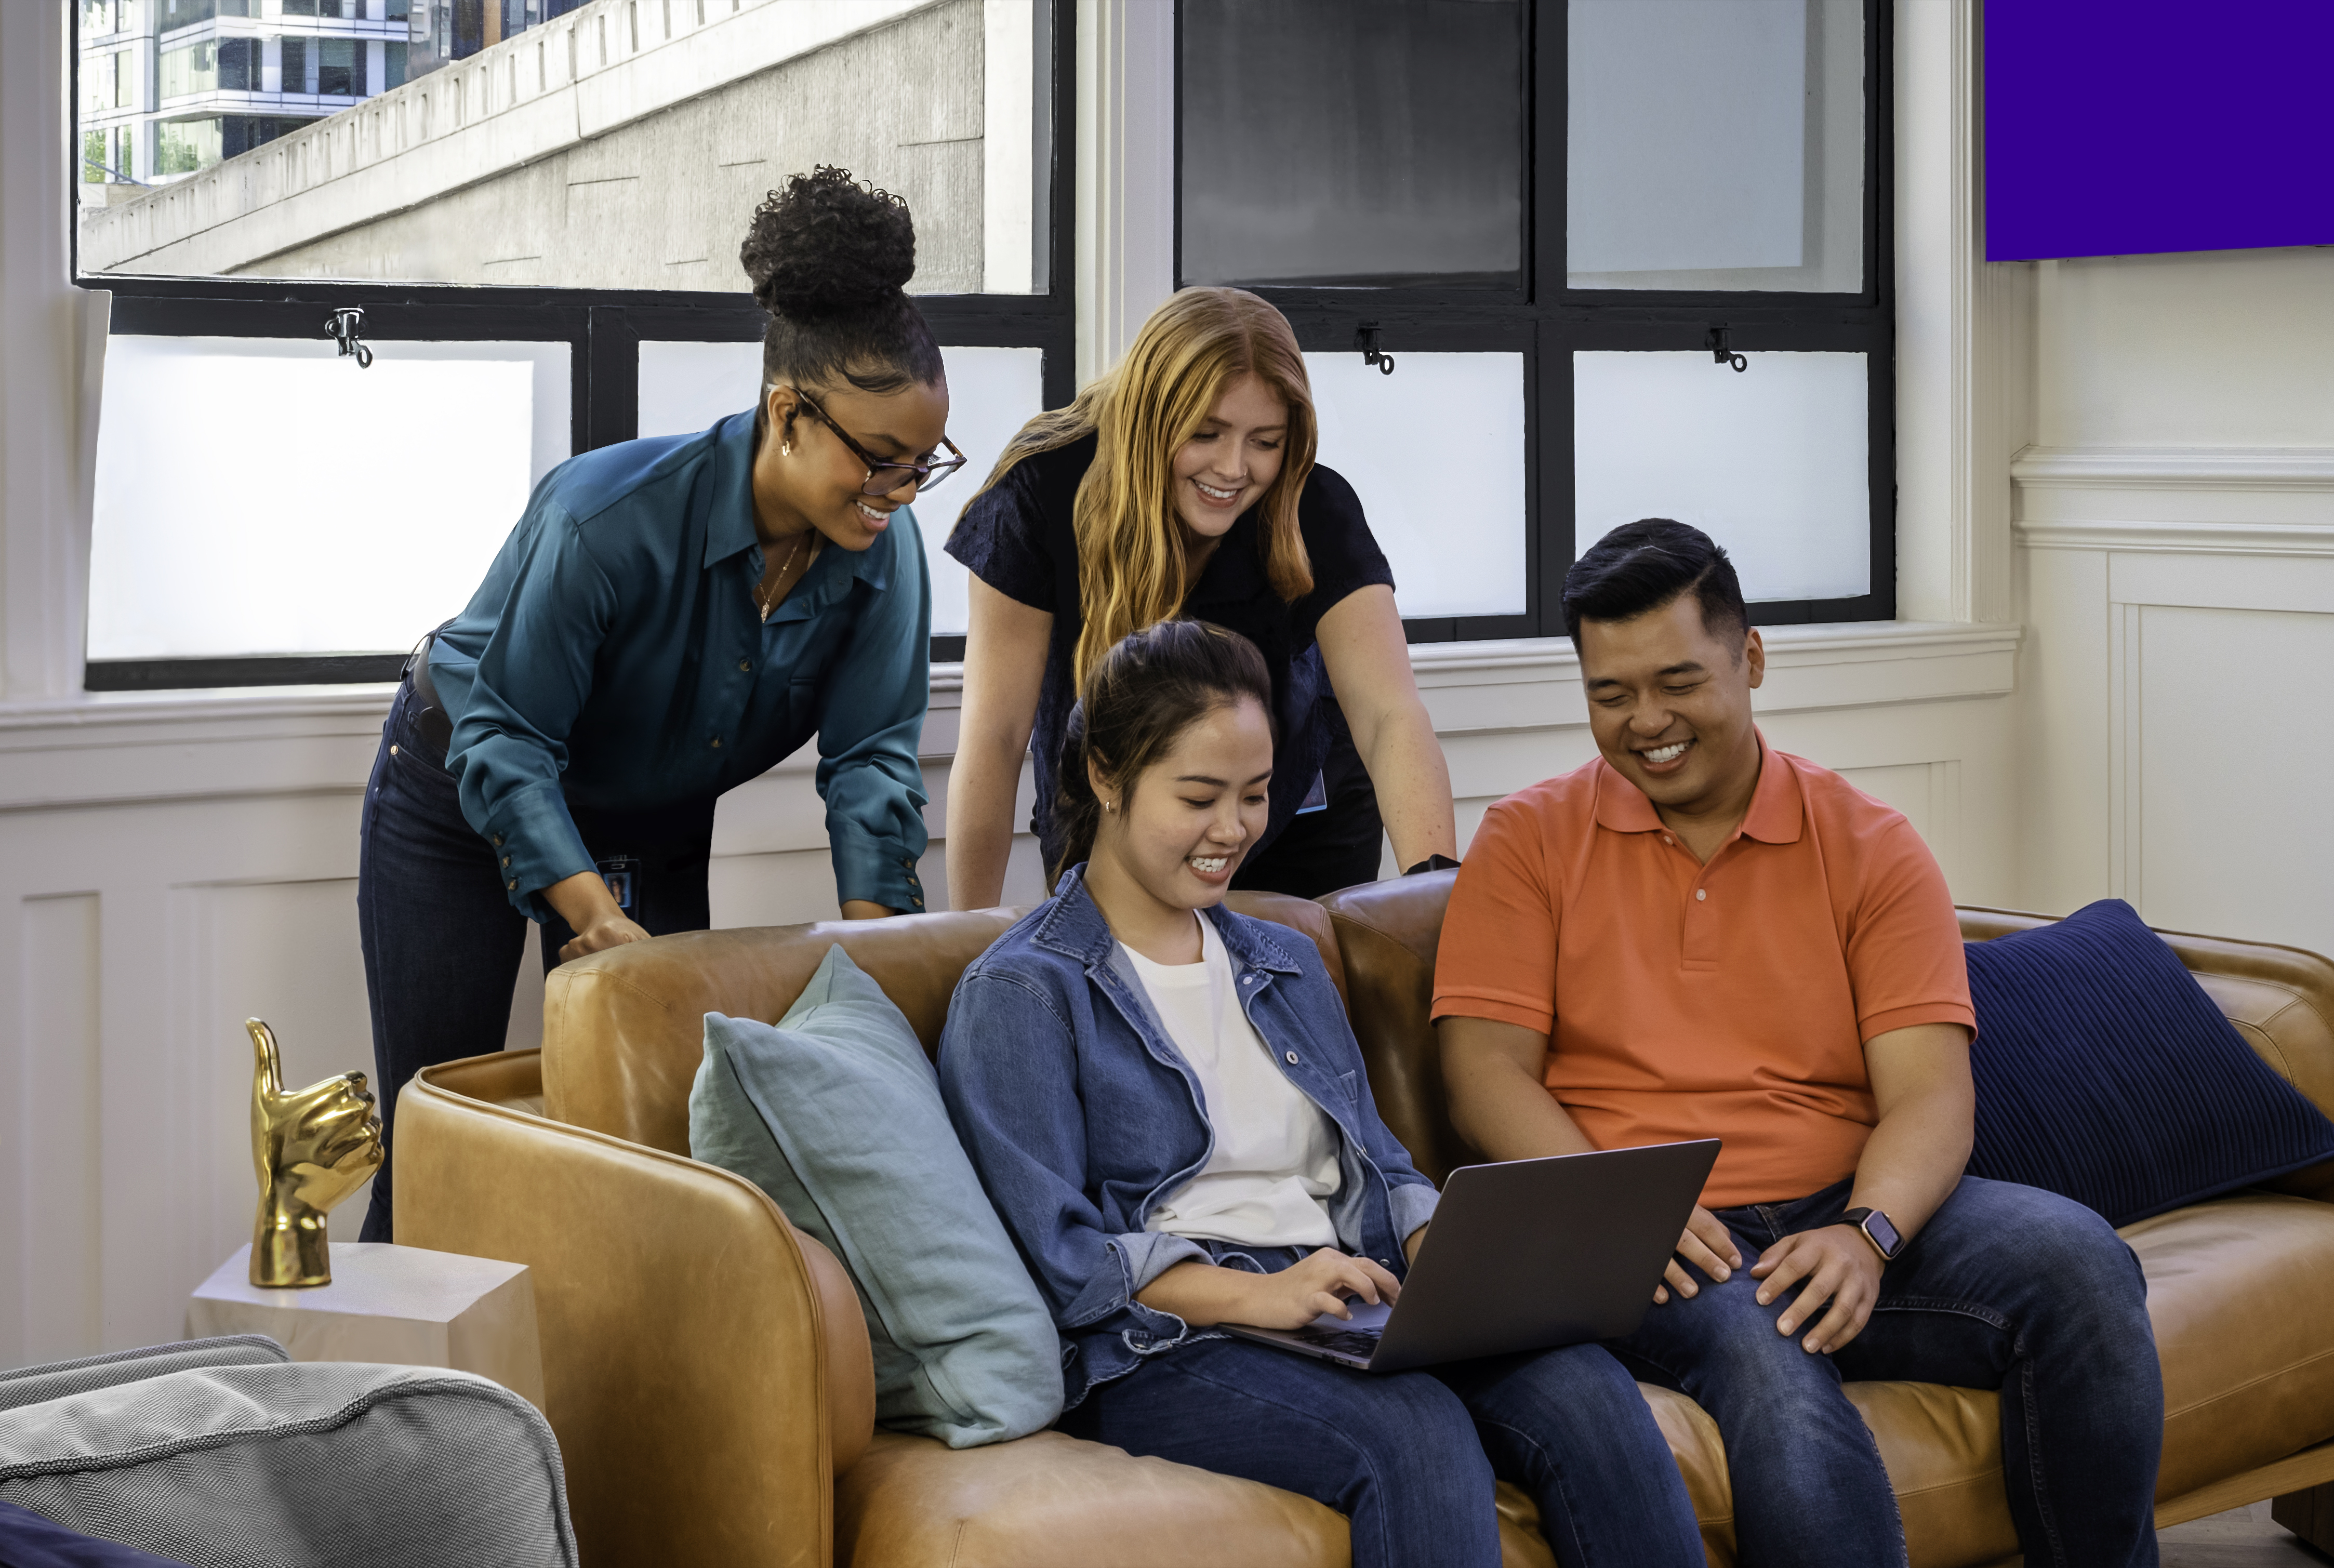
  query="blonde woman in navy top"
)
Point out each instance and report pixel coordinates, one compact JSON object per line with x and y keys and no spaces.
{"x":668,"y":620}
{"x":1184,"y":485}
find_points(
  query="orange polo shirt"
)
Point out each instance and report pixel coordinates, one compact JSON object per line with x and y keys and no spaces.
{"x":1730,"y":1000}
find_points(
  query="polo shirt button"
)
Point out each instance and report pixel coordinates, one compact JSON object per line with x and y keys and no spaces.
{"x":717,"y":743}
{"x":918,"y":902}
{"x":1292,"y":1058}
{"x":1667,"y":839}
{"x":744,"y":666}
{"x":498,"y":841}
{"x":1700,"y":894}
{"x":512,"y":886}
{"x":505,"y":862}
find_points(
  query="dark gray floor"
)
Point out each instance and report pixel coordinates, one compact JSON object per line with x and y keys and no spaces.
{"x":2241,"y":1538}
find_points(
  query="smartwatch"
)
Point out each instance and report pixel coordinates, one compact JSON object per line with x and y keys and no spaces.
{"x":1876,"y":1230}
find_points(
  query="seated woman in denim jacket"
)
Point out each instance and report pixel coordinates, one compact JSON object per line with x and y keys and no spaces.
{"x":1167,"y":1106}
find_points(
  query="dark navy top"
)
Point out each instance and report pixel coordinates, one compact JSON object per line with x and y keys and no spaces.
{"x":614,"y":655}
{"x":1020,"y":538}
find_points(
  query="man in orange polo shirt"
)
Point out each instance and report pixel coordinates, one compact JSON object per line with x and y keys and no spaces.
{"x":1697,"y":936}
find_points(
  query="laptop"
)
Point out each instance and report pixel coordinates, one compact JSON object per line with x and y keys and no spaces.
{"x":1523,"y":1255}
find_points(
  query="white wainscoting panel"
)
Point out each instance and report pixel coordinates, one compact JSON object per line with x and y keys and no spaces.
{"x":2181,"y":605}
{"x":2234,"y":761}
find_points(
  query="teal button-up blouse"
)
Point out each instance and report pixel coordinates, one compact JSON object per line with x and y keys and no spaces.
{"x":614,"y":654}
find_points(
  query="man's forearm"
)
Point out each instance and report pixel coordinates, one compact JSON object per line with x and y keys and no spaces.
{"x":1913,"y":1160}
{"x":1498,"y":1102}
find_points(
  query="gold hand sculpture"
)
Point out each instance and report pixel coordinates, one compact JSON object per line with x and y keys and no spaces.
{"x":313,"y":1147}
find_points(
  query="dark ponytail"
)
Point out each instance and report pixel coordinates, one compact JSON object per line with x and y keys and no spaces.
{"x":1138,"y":701}
{"x":830,"y":260}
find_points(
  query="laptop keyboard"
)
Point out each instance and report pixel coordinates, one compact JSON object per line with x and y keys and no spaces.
{"x":1344,"y":1342}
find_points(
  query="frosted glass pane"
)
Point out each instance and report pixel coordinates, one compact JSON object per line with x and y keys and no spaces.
{"x":992,"y":393}
{"x":265,"y":496}
{"x":686,"y":387}
{"x":1715,"y":144}
{"x":1771,"y":462}
{"x":1456,"y":548}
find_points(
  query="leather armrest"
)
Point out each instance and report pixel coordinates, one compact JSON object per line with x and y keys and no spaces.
{"x":705,"y":1365}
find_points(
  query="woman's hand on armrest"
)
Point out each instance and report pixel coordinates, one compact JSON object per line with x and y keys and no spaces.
{"x":1204,"y":1295}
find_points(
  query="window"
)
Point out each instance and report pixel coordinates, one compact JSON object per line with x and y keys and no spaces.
{"x":339,"y":68}
{"x":557,"y":195}
{"x":1566,"y":224}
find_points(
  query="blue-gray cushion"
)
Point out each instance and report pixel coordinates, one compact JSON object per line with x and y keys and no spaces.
{"x":2104,"y":1073}
{"x":836,"y":1112}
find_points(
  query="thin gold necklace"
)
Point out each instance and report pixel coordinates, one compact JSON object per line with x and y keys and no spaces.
{"x":771,"y":603}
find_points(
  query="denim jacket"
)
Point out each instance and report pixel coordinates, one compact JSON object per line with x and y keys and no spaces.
{"x":1082,"y":1116}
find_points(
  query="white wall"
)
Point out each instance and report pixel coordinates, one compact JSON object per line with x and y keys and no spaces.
{"x":171,"y":864}
{"x":2175,"y":519}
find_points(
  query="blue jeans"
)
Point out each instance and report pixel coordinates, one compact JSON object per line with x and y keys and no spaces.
{"x":2006,"y":1287}
{"x":1409,"y":1458}
{"x":442,"y":942}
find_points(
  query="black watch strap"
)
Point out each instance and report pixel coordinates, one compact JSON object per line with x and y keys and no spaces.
{"x":1432,"y":863}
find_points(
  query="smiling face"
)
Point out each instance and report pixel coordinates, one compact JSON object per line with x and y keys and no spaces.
{"x":820,"y":482}
{"x":1181,"y":829}
{"x":1669,"y":702}
{"x":1233,"y":459}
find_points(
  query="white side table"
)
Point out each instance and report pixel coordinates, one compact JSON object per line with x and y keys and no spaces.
{"x":397,"y":1304}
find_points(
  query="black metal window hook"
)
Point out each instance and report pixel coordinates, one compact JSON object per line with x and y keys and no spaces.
{"x":345,"y":327}
{"x":1367,"y":339}
{"x":1721,"y":351}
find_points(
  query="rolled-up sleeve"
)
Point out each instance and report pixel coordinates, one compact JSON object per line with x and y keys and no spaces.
{"x":518,"y":702}
{"x":870,"y":718}
{"x":1008,"y":1074}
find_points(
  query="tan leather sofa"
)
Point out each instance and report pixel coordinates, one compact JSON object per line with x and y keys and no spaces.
{"x":708,"y":1373}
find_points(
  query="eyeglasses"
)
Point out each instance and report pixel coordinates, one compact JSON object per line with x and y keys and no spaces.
{"x":883,"y":477}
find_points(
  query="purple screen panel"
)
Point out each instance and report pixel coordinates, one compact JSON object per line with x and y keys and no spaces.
{"x":2126,"y":126}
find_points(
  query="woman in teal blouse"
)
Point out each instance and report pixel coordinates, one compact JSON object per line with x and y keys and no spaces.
{"x":668,"y":620}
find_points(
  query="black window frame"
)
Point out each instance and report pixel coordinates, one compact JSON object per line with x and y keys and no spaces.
{"x":1548,"y":319}
{"x":603,"y":327}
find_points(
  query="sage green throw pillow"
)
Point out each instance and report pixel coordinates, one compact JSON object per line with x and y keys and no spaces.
{"x":836,"y":1113}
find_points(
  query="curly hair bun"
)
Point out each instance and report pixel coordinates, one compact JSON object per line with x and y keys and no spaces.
{"x":828,"y":246}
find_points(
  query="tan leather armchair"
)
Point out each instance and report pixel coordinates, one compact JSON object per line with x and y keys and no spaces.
{"x":707,"y":1369}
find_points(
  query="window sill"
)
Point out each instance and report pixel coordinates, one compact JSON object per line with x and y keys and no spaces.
{"x":127,"y":747}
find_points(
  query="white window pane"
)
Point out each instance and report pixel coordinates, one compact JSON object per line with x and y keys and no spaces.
{"x":616,"y":144}
{"x":992,"y":393}
{"x":1436,"y":453}
{"x":1771,"y":462}
{"x":1715,"y":144}
{"x":686,"y":387}
{"x":266,"y":496}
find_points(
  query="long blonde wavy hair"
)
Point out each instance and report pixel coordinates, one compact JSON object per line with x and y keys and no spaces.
{"x":1132,"y":544}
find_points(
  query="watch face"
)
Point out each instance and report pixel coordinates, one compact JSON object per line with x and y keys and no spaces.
{"x":1876,"y":1227}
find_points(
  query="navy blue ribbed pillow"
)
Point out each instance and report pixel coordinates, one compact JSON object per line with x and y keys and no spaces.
{"x":2104,"y":1073}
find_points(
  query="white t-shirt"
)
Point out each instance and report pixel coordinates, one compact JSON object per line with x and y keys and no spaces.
{"x":1276,"y":1156}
